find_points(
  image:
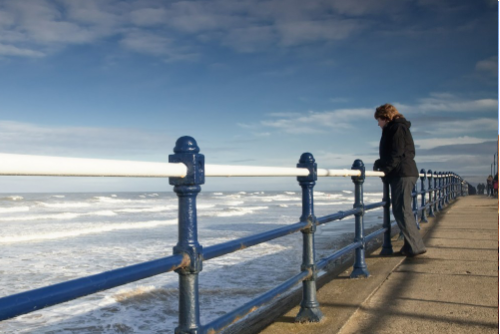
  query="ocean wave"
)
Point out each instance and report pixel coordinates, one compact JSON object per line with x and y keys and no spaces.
{"x":279,"y":198}
{"x":12,"y":198}
{"x":232,"y":203}
{"x":85,"y":231}
{"x":332,"y":203}
{"x":347,"y":191}
{"x":144,"y":294}
{"x":64,"y":204}
{"x":58,"y":196}
{"x":111,"y":199}
{"x":59,"y":216}
{"x":374,"y":194}
{"x":326,"y":195}
{"x":234,"y":211}
{"x":151,"y":209}
{"x":15,"y":209}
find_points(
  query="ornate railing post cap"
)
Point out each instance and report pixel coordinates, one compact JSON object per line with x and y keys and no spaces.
{"x":358,"y":164}
{"x":430,"y":173}
{"x":186,"y":151}
{"x":186,"y":144}
{"x":307,"y":161}
{"x":422,"y":171}
{"x":306,"y":158}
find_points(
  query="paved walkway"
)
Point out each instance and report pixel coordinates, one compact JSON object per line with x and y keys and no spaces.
{"x":453,"y":288}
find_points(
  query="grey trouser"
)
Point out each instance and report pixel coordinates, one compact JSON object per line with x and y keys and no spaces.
{"x":401,"y":189}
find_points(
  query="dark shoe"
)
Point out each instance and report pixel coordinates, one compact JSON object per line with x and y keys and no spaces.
{"x":411,"y":254}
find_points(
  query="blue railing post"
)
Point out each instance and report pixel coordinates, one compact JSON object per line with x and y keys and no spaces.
{"x":447,"y":188}
{"x":441,"y":191}
{"x":387,"y":245}
{"x":187,"y":151}
{"x":450,"y":189}
{"x":431,"y":191}
{"x":452,"y":178}
{"x":436,"y":192}
{"x":423,"y":216}
{"x":359,"y":268}
{"x":415,"y":204}
{"x":309,"y":307}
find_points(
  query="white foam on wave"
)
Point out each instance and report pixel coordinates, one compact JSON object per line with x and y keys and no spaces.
{"x":327,"y":196}
{"x":290,"y":192}
{"x":15,"y":209}
{"x":232,"y":203}
{"x":151,"y":209}
{"x":59,"y":216}
{"x":279,"y":198}
{"x":64,"y":205}
{"x":111,"y":199}
{"x":374,"y":194}
{"x":347,"y":191}
{"x":12,"y":198}
{"x":85,"y":231}
{"x":58,"y":196}
{"x":218,"y":194}
{"x":235,"y":211}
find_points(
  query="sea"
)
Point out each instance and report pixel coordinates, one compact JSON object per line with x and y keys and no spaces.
{"x":51,"y":238}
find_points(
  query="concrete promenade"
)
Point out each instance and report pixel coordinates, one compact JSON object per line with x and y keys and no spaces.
{"x":453,"y":288}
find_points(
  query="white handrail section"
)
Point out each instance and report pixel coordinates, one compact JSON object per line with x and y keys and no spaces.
{"x":32,"y":165}
{"x":252,"y":171}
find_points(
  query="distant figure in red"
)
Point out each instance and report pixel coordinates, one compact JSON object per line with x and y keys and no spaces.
{"x":397,"y":151}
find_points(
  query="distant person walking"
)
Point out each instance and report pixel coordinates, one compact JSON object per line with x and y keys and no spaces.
{"x":495,"y":185}
{"x":397,"y":151}
{"x":489,"y":182}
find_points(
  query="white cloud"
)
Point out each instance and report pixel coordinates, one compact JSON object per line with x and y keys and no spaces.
{"x":42,"y":26}
{"x":446,"y":102}
{"x":146,"y":17}
{"x":435,"y":142}
{"x":479,"y":125}
{"x":317,"y":122}
{"x":303,"y":32}
{"x":10,"y":50}
{"x":25,"y":138}
{"x":488,"y":66}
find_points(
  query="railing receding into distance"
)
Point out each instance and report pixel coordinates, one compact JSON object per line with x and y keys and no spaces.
{"x":186,"y":171}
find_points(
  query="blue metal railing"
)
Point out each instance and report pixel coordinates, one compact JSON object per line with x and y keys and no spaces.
{"x":189,"y":255}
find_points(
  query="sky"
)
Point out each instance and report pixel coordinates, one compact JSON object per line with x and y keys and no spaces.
{"x":254,"y":82}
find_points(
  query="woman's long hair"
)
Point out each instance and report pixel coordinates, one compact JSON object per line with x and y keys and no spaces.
{"x":387,"y":112}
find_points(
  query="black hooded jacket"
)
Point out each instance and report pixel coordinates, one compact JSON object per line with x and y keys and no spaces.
{"x":397,"y":150}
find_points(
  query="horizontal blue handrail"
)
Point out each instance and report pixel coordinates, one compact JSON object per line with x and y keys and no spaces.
{"x":341,"y":252}
{"x":36,"y":299}
{"x":238,"y":244}
{"x":253,"y":305}
{"x":337,"y":216}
